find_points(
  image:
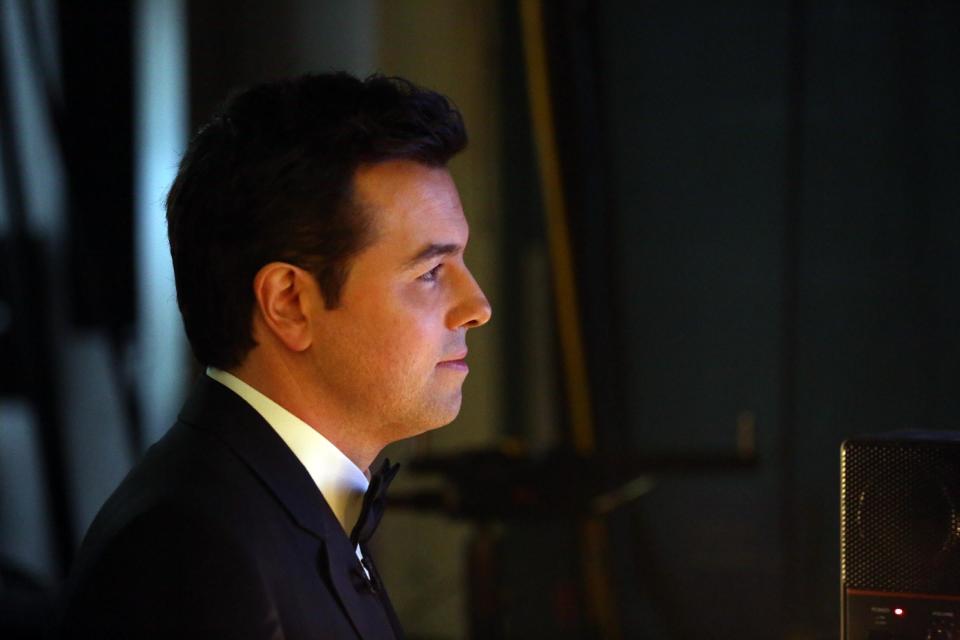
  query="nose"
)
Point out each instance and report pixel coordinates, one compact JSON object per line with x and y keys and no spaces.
{"x":472,"y":308}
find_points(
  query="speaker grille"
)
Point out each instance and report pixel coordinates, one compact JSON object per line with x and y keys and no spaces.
{"x":900,"y":525}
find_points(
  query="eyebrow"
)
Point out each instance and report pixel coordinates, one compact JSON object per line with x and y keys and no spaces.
{"x":433,"y":250}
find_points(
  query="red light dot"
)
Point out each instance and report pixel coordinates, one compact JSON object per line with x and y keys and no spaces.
{"x":898,"y":611}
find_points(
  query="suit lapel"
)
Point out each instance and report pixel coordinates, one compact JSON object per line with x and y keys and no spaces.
{"x":384,"y":597}
{"x":218,"y":410}
{"x":370,"y":616}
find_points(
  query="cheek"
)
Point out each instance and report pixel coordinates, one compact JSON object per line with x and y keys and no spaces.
{"x":410,"y":345}
{"x":400,"y":337}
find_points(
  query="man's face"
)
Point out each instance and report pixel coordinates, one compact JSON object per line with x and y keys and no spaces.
{"x":391,"y":354}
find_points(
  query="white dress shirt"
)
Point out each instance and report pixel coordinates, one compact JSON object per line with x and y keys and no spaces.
{"x":339,"y":480}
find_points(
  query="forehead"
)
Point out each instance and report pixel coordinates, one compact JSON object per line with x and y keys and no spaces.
{"x":410,"y":203}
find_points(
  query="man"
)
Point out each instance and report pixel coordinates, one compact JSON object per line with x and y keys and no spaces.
{"x":317,"y":242}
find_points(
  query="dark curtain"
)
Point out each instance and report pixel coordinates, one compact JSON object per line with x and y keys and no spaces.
{"x":764,"y":211}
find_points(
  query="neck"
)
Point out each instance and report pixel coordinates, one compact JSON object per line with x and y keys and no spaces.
{"x":286,"y":385}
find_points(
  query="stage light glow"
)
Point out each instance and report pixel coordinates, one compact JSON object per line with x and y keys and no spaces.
{"x":898,"y":611}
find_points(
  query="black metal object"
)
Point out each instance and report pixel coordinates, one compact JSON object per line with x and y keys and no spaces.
{"x":540,"y":499}
{"x":900,"y":543}
{"x":488,"y":485}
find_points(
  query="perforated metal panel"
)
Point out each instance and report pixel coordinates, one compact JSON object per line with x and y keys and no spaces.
{"x":899,"y":519}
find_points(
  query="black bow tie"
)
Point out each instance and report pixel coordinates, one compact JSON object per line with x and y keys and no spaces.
{"x":373,"y":503}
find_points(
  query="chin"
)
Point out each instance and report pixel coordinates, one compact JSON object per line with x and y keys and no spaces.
{"x":412,"y":431}
{"x":444,"y":420}
{"x":441,"y":415}
{"x":427,"y":417}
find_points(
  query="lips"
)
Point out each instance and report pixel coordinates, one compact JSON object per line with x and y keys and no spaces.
{"x":457,"y":361}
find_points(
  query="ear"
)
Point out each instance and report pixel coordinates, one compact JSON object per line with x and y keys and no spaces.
{"x":283,"y":293}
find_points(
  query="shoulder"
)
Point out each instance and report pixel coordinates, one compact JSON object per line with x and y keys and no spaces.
{"x":187,"y":474}
{"x":217,"y":525}
{"x":191,"y":483}
{"x":168,"y":565}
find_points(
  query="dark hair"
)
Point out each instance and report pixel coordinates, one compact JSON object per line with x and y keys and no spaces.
{"x":270,"y":178}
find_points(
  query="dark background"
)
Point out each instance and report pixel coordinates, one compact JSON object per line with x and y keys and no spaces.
{"x":764,"y":203}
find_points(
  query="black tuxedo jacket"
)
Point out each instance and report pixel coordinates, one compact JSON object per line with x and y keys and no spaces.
{"x":219,"y":532}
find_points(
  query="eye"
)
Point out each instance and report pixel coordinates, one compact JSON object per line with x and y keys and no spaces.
{"x":432,"y":275}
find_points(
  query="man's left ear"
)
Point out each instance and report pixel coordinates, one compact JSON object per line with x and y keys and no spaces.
{"x":282,"y":293}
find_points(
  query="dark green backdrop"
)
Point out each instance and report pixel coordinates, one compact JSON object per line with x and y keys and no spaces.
{"x":765,"y":203}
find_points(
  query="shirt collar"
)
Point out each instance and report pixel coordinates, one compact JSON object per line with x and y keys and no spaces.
{"x":339,"y":480}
